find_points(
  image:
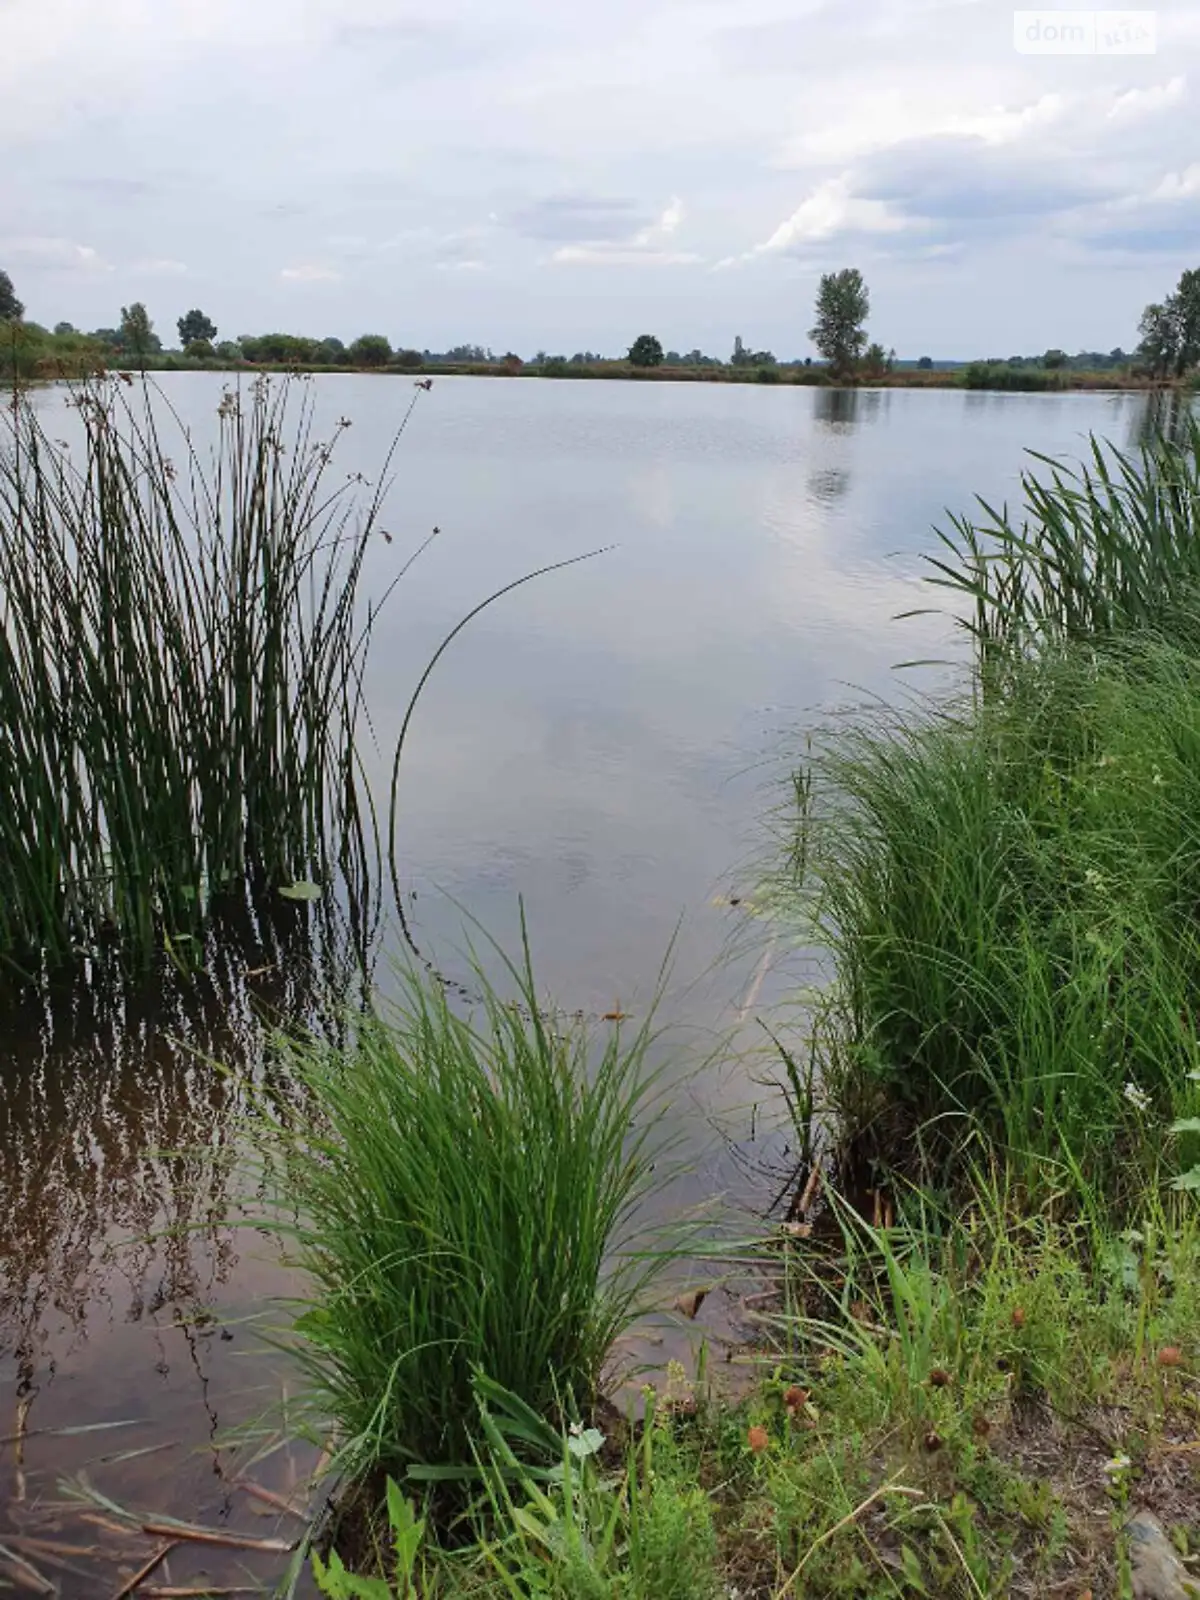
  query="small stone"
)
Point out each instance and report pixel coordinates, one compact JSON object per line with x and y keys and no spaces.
{"x":1158,"y":1573}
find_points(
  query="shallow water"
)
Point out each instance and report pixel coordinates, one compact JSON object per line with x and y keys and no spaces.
{"x":604,"y":744}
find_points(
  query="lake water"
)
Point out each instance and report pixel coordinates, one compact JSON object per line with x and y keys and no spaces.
{"x":604,"y":744}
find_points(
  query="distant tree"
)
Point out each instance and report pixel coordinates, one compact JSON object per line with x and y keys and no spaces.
{"x":672,"y":358}
{"x":334,"y":351}
{"x":513,"y":361}
{"x":645,"y":351}
{"x":195,"y":325}
{"x":1187,"y":318}
{"x":1054,"y":359}
{"x":11,"y":309}
{"x":62,"y":329}
{"x":137,"y":332}
{"x":1118,"y":357}
{"x":875,"y":360}
{"x":843,"y":306}
{"x":410,"y":360}
{"x":740,"y":356}
{"x":370,"y":350}
{"x":925,"y":363}
{"x":228,"y":350}
{"x":1158,"y":349}
{"x":199,"y":349}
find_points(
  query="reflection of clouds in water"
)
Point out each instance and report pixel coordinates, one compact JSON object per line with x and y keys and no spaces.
{"x":652,"y":495}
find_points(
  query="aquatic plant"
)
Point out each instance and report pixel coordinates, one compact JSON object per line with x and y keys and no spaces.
{"x":182,"y":642}
{"x":465,"y":1190}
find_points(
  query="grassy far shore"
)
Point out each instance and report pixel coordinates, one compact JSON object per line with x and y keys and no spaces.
{"x":31,"y":353}
{"x":975,"y":1347}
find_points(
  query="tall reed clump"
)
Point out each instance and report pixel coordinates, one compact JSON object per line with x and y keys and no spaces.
{"x":1010,"y":882}
{"x":465,"y":1194}
{"x":182,"y":644}
{"x":1102,"y":548}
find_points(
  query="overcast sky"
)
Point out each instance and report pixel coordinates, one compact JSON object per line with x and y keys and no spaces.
{"x":552,"y":174}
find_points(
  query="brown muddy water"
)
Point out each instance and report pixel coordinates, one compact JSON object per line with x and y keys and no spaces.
{"x":606,"y":745}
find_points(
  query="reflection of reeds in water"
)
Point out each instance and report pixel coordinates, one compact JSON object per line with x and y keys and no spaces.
{"x":181,"y":657}
{"x":119,"y":1157}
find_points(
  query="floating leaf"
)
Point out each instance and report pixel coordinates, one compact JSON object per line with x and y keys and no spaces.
{"x":303,"y":890}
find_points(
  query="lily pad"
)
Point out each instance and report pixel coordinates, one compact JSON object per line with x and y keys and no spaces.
{"x":302,"y":890}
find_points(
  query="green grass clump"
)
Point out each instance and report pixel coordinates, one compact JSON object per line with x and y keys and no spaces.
{"x":967,"y":1402}
{"x":1009,"y":888}
{"x":466,"y":1193}
{"x":181,"y":652}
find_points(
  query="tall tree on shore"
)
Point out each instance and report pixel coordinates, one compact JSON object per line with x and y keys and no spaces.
{"x":1170,"y":330}
{"x":11,"y":309}
{"x":195,"y":325}
{"x":645,"y":351}
{"x":843,"y":306}
{"x":1158,"y":346}
{"x":137,"y":331}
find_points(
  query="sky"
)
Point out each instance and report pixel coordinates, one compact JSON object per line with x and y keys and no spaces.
{"x":547,"y":174}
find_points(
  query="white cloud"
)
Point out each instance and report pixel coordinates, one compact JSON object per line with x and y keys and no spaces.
{"x":54,"y":255}
{"x":832,"y":208}
{"x":1136,"y":103}
{"x":160,"y":267}
{"x":647,"y":247}
{"x":1177,"y":186}
{"x":309,"y":273}
{"x":618,"y":255}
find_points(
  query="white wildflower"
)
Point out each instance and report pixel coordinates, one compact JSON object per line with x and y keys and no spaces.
{"x":1138,"y":1098}
{"x":1117,"y":1466}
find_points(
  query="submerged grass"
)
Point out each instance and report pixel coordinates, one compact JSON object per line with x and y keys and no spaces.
{"x":466,"y":1193}
{"x":182,"y":641}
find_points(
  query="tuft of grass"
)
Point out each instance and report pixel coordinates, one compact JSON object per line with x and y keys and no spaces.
{"x":1009,"y":888}
{"x":182,"y":644}
{"x":466,"y":1192}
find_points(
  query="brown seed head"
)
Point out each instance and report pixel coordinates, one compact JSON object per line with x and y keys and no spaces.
{"x":1018,"y":1317}
{"x":933,"y":1441}
{"x":758,"y":1439}
{"x":1170,"y":1356}
{"x":795,"y":1398}
{"x":939,"y":1378}
{"x":980,"y":1426}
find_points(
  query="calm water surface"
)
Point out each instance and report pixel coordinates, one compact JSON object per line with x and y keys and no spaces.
{"x":602,"y":744}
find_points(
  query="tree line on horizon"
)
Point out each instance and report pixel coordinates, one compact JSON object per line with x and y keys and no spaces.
{"x":1169,"y":347}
